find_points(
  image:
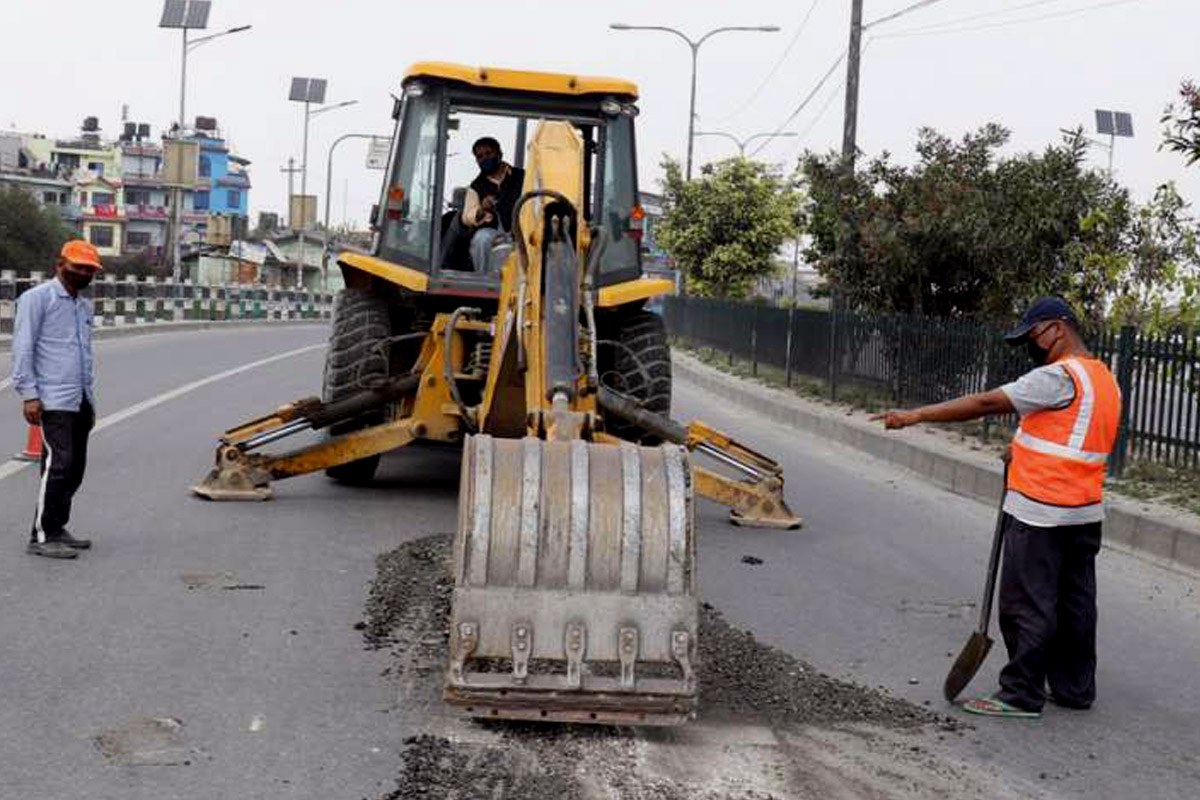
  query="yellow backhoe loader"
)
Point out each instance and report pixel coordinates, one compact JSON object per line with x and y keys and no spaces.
{"x":575,"y":561}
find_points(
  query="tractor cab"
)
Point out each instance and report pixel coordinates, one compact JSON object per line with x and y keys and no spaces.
{"x":422,"y":238}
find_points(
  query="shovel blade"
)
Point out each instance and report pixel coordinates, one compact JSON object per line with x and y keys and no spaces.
{"x":969,"y":661}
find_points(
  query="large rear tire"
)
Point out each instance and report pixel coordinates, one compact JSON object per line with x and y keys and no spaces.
{"x":635,"y":360}
{"x":356,"y":359}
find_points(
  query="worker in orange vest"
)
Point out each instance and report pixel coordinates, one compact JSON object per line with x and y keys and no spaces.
{"x":1070,"y":408}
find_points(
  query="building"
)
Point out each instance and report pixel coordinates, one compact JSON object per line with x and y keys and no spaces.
{"x":19,"y":167}
{"x":147,"y":204}
{"x":113,"y":191}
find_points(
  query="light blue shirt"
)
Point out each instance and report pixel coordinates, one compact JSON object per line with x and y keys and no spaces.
{"x":52,"y":348}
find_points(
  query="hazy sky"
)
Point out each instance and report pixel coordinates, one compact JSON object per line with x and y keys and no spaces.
{"x":952,"y":65}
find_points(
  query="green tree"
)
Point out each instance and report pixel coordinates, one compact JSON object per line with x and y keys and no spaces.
{"x":1182,"y":123}
{"x":963,"y":231}
{"x":30,"y":236}
{"x":1145,"y":267}
{"x":724,"y":228}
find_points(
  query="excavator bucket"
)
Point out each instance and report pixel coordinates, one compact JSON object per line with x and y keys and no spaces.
{"x":575,"y":586}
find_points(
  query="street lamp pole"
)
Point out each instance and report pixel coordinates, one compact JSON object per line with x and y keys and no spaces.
{"x":328,"y":194}
{"x":304,"y":182}
{"x":183,"y":81}
{"x":192,"y":45}
{"x":186,"y":15}
{"x":742,"y":144}
{"x":694,"y":46}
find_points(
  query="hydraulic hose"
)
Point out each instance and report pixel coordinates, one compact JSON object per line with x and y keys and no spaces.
{"x":448,"y":365}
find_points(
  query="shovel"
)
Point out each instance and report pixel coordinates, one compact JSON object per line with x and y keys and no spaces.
{"x":977,"y":647}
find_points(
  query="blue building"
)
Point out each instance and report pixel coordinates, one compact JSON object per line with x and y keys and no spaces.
{"x":224,"y":182}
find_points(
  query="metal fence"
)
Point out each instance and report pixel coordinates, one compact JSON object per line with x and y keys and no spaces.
{"x":130,"y":301}
{"x":910,"y":360}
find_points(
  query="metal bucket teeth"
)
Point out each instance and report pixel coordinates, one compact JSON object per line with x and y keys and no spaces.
{"x":574,"y":590}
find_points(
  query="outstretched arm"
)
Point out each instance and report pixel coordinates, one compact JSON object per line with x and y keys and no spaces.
{"x":960,"y":409}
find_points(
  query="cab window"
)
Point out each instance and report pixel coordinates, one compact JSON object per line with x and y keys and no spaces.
{"x":618,"y":199}
{"x":410,"y":199}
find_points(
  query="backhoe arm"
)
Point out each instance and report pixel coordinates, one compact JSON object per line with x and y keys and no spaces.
{"x":755,"y":499}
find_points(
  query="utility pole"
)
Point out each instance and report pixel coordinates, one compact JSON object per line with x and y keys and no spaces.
{"x":291,"y":169}
{"x":850,"y":130}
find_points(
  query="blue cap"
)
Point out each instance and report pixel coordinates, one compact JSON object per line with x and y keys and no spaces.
{"x":1044,"y":309}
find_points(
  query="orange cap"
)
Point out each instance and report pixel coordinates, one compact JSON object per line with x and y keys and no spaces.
{"x":77,"y":251}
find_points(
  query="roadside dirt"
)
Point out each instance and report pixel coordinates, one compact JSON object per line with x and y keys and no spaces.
{"x":771,"y":727}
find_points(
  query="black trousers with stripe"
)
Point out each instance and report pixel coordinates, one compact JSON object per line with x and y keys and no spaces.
{"x":1048,"y":614}
{"x":64,"y":459}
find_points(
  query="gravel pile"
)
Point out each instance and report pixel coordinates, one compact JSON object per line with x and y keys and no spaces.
{"x":409,"y":603}
{"x":435,"y":767}
{"x":539,"y":762}
{"x":741,"y":680}
{"x":741,"y":677}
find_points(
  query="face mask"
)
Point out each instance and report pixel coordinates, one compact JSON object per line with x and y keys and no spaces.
{"x":489,"y":165}
{"x":1040,"y":355}
{"x":77,"y":281}
{"x":1037,"y":354}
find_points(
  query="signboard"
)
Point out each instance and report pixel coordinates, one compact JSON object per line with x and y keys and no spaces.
{"x":302,"y":213}
{"x":179,"y":162}
{"x":219,"y":231}
{"x":377,"y":152}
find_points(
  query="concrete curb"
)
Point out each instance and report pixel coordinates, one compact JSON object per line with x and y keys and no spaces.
{"x":1162,"y":535}
{"x":122,"y":331}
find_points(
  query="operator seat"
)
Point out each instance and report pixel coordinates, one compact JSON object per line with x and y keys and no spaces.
{"x":456,"y":237}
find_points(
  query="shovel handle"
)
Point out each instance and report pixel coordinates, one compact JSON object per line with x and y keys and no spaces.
{"x":989,"y":585}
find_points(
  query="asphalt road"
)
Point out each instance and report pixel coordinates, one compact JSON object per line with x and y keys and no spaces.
{"x":221,"y":635}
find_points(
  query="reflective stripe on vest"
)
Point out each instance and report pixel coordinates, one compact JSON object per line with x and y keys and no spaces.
{"x":1059,"y":455}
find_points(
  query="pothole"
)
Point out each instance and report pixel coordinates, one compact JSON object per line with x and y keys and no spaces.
{"x":146,"y":741}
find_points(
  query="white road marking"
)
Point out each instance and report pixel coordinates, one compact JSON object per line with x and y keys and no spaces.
{"x":10,"y":468}
{"x":4,"y":384}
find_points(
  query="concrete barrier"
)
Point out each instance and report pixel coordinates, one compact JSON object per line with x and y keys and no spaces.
{"x":132,"y":304}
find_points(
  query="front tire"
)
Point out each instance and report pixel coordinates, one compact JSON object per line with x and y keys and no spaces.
{"x":357,"y":358}
{"x":635,"y":360}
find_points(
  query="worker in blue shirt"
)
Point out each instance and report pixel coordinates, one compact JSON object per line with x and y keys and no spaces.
{"x":53,"y":373}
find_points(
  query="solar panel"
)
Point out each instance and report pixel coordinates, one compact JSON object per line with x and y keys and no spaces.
{"x":172,"y":16}
{"x":1104,"y":122}
{"x":316,"y":90}
{"x":1124,"y":124}
{"x":299,"y":90}
{"x":197,"y":13}
{"x":308,"y":90}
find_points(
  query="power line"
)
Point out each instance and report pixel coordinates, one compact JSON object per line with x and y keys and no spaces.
{"x":926,"y":31}
{"x":985,"y":14}
{"x":803,"y":135}
{"x":806,"y":100}
{"x":775,"y":69}
{"x":917,"y":6}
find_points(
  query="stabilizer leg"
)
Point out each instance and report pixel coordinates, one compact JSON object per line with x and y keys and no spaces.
{"x":239,"y":475}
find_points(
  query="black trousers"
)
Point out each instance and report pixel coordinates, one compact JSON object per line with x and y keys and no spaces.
{"x":64,"y":459}
{"x":1048,"y":614}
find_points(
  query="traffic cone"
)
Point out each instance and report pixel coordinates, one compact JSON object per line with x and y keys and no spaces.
{"x":33,"y":445}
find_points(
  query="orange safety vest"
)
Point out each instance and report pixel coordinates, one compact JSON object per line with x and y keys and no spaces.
{"x":1059,"y":455}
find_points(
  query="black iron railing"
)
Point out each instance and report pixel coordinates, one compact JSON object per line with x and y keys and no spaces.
{"x":908,"y":360}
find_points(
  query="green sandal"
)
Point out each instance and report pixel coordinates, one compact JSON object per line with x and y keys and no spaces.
{"x":992,"y":706}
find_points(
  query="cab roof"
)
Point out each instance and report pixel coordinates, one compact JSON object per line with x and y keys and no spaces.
{"x":521,"y":80}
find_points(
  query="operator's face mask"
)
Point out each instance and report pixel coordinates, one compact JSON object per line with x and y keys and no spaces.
{"x":488,"y":164}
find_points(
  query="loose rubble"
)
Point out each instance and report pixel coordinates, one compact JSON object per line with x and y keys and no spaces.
{"x":742,"y":683}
